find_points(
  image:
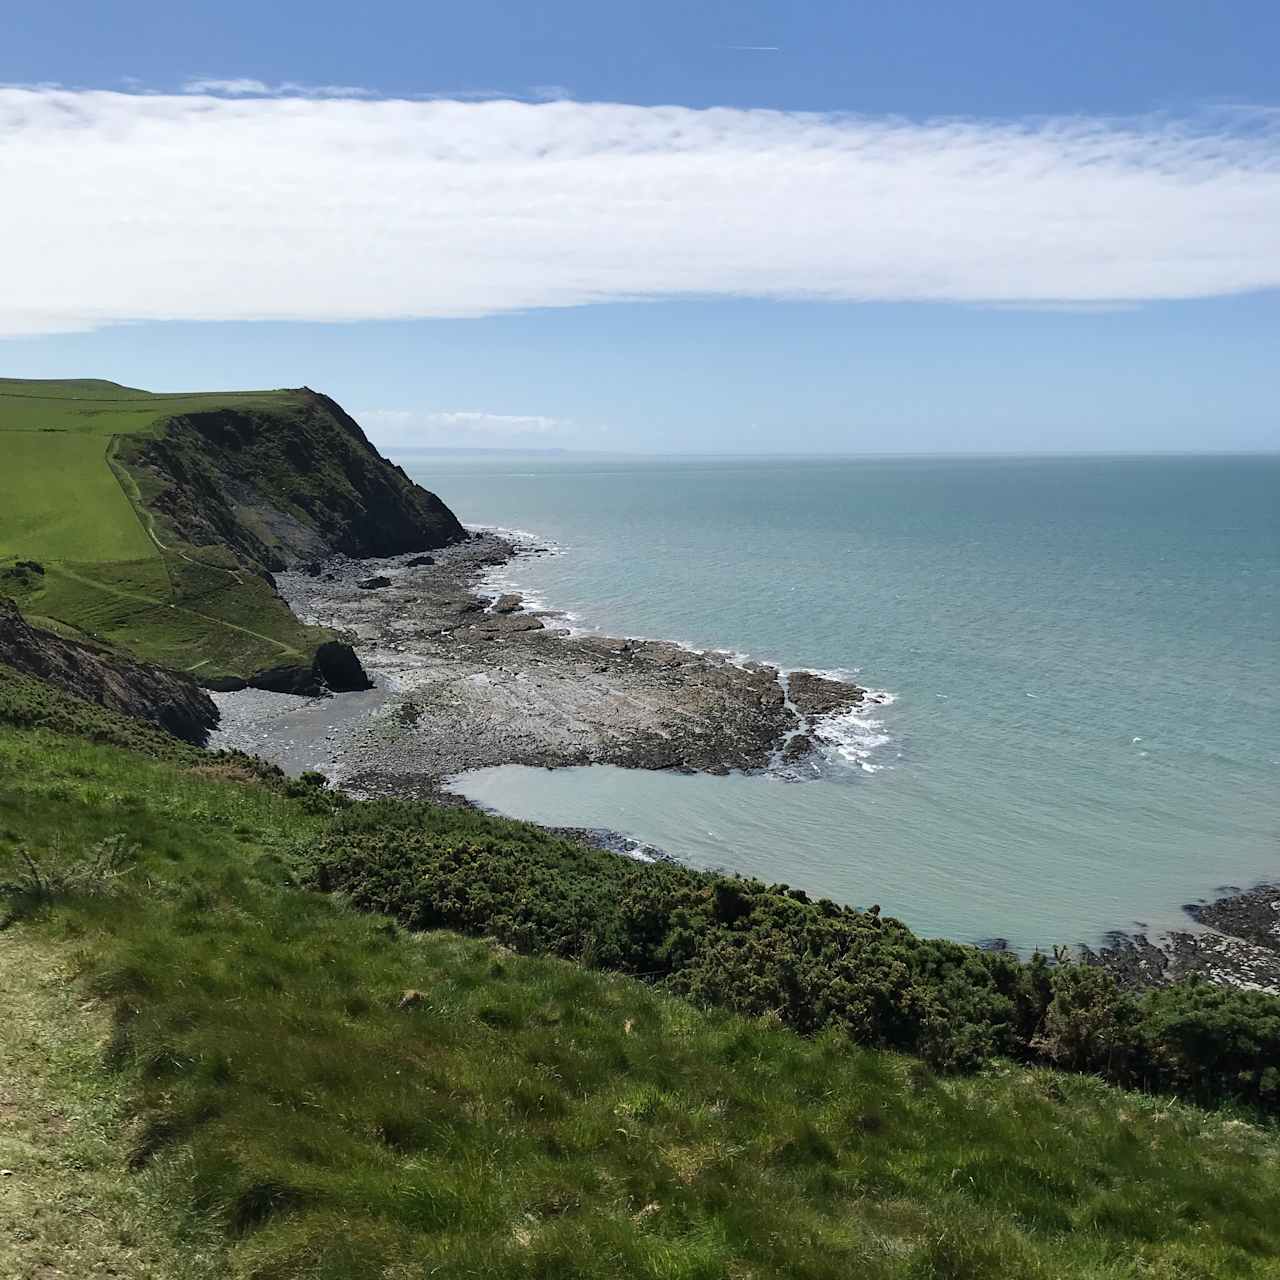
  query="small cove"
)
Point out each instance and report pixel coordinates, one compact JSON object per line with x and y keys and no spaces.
{"x":1085,"y":731}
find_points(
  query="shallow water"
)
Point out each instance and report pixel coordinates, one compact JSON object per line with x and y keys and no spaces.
{"x":1085,"y":730}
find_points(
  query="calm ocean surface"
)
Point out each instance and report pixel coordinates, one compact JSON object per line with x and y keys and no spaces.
{"x":1084,"y":657}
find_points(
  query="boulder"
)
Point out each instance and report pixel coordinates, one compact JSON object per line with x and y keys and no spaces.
{"x":508,"y":624}
{"x":418,"y":561}
{"x":508,"y":603}
{"x":222,"y":684}
{"x":338,"y":668}
{"x":376,"y":583}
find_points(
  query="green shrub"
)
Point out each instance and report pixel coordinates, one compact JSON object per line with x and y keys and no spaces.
{"x":767,"y":950}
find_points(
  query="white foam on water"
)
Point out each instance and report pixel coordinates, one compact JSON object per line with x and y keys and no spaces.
{"x":853,"y":737}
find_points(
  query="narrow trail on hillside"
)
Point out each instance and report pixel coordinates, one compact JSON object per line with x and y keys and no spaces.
{"x":152,"y":602}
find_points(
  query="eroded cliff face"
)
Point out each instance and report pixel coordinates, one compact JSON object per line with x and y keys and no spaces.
{"x":279,"y":487}
{"x":135,"y":689}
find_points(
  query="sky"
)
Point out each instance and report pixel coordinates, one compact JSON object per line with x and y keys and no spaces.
{"x":739,"y":227}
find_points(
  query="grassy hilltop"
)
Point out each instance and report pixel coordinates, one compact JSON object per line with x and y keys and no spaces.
{"x":216,"y":1072}
{"x":157,"y":518}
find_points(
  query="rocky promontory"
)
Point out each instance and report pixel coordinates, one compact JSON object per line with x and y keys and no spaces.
{"x":468,"y":680}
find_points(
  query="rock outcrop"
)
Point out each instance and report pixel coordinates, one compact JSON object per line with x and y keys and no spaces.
{"x":334,"y":669}
{"x":815,"y":695}
{"x":163,"y":698}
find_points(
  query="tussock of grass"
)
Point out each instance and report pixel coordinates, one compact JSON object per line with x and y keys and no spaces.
{"x":522,"y":1116}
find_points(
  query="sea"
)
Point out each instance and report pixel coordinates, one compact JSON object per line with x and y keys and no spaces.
{"x":1079,"y":659}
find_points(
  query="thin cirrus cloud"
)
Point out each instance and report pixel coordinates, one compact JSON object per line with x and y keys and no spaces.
{"x":305,"y":206}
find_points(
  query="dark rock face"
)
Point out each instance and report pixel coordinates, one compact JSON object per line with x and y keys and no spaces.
{"x":289,"y":485}
{"x":335,"y":669}
{"x":337,"y":665}
{"x":375,"y":583}
{"x":164,"y":698}
{"x":288,"y":678}
{"x":222,"y":684}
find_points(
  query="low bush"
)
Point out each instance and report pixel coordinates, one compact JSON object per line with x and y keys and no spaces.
{"x":762,"y":949}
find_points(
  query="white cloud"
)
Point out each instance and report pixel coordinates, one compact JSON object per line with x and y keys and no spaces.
{"x":214,"y":207}
{"x":407,"y":427}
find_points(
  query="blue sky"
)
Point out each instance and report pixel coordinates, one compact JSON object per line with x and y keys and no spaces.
{"x":1010,"y":227}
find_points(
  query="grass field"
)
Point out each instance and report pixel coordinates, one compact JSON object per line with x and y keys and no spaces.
{"x":67,"y":504}
{"x":528,"y":1117}
{"x":61,"y":501}
{"x":94,"y":407}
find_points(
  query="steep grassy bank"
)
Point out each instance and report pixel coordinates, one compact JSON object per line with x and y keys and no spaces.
{"x":155,"y":520}
{"x":331,"y":1095}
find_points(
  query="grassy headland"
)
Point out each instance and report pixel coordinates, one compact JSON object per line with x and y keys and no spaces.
{"x":72,"y":506}
{"x":155,"y":520}
{"x":313,"y":1090}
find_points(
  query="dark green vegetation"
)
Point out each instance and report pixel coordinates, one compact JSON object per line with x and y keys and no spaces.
{"x":332,"y":1095}
{"x":767,"y":950}
{"x":157,"y":519}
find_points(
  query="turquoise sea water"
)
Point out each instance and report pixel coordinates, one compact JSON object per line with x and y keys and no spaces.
{"x":1083,"y":655}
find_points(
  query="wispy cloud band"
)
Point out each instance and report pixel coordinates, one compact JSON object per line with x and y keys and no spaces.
{"x":208,"y":207}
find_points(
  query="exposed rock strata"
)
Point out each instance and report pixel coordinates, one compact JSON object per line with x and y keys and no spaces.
{"x":468,"y":686}
{"x":161,"y":697}
{"x":283,"y":486}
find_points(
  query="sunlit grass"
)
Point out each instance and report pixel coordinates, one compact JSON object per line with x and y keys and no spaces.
{"x":343,"y":1099}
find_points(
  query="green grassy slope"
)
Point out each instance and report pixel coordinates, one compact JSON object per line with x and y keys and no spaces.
{"x":69,"y":503}
{"x":94,"y":407}
{"x":521,"y":1116}
{"x":62,"y":502}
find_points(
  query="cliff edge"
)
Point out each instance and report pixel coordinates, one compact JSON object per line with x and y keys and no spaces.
{"x":282,"y":484}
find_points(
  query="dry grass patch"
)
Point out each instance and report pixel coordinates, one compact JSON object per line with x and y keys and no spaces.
{"x":68,"y":1206}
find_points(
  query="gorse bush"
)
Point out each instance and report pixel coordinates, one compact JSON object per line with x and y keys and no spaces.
{"x":762,"y":949}
{"x":28,"y":877}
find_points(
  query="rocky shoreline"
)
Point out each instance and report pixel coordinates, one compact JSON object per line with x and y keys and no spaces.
{"x":466,"y":681}
{"x":1238,"y":947}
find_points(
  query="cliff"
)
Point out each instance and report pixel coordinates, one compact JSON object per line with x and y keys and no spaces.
{"x":283,"y":483}
{"x":163,"y":698}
